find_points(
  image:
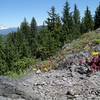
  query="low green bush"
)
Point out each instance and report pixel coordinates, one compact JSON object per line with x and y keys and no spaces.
{"x":23,"y":64}
{"x":96,"y":41}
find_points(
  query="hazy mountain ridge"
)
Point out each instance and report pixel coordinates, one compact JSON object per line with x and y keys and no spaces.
{"x":8,"y":30}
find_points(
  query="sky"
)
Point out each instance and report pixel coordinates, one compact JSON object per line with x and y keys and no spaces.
{"x":12,"y":12}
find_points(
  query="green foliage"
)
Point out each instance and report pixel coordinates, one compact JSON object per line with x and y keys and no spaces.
{"x":58,"y":25}
{"x":97,"y":17}
{"x":96,"y":41}
{"x":76,"y":22}
{"x":10,"y":51}
{"x":33,"y":37}
{"x":51,"y":20}
{"x":25,"y":40}
{"x":88,"y":24}
{"x":3,"y":64}
{"x":54,"y":24}
{"x":66,"y":20}
{"x":25,"y":63}
{"x":48,"y":44}
{"x":71,"y":24}
{"x":85,"y":42}
{"x":25,"y":29}
{"x":33,"y":26}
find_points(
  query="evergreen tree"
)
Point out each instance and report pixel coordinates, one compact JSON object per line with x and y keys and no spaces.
{"x":58,"y":31}
{"x":76,"y":22}
{"x":54,"y":27}
{"x":3,"y":65}
{"x":22,"y":46}
{"x":33,"y":26}
{"x":97,"y":18}
{"x":70,"y":35}
{"x":25,"y":31}
{"x":51,"y":20}
{"x":25,"y":49}
{"x":33,"y":42}
{"x":82,"y":27}
{"x":10,"y":51}
{"x":88,"y":21}
{"x":67,"y":22}
{"x":19,"y":42}
{"x":58,"y":25}
{"x":47,"y":44}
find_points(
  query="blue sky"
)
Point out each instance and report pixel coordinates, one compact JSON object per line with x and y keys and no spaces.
{"x":12,"y":12}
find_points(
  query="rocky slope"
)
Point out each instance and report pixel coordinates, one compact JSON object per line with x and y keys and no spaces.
{"x":73,"y":82}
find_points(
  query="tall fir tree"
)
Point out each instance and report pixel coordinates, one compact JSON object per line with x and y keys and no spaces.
{"x":58,"y":24}
{"x":51,"y":20}
{"x":47,"y":44}
{"x":58,"y":31}
{"x":19,"y":41}
{"x":54,"y":27}
{"x":82,"y":27}
{"x":67,"y":22}
{"x":88,"y":21}
{"x":97,"y":18}
{"x":10,"y":51}
{"x":3,"y":64}
{"x":25,"y":31}
{"x":33,"y":41}
{"x":33,"y":26}
{"x":76,"y":22}
{"x":66,"y":17}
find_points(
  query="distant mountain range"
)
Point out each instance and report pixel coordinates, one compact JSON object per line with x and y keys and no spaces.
{"x":5,"y":31}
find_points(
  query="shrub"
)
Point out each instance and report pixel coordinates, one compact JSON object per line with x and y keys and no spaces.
{"x":96,"y":41}
{"x":23,"y":64}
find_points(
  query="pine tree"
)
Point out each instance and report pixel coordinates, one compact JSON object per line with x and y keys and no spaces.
{"x":22,"y":46}
{"x":19,"y":41}
{"x":97,"y":18}
{"x":33,"y":40}
{"x":66,"y":18}
{"x":25,"y":33}
{"x":58,"y":24}
{"x":54,"y":27}
{"x":25,"y":49}
{"x":47,"y":44}
{"x":76,"y":22}
{"x":33,"y":26}
{"x":88,"y":21}
{"x":58,"y":31}
{"x":25,"y":29}
{"x":67,"y":22}
{"x":71,"y":34}
{"x":82,"y":27}
{"x":3,"y":65}
{"x":51,"y":20}
{"x":10,"y":51}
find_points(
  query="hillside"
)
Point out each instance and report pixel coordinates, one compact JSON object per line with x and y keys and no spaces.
{"x":67,"y":82}
{"x":87,"y":42}
{"x":49,"y":52}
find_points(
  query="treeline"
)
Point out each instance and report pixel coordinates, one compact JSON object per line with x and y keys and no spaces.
{"x":20,"y":48}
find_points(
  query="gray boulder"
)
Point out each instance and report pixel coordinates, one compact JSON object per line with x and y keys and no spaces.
{"x":10,"y":89}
